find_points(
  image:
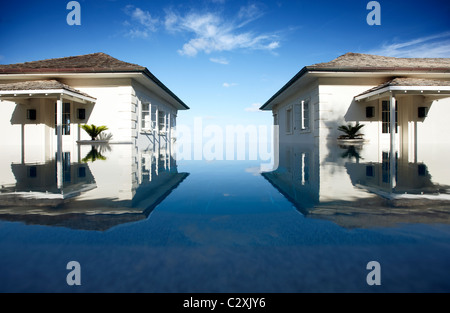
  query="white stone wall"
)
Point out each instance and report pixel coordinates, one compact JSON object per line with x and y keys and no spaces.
{"x":297,"y":135}
{"x":151,"y":140}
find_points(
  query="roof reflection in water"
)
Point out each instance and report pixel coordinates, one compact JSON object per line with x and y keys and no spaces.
{"x":364,"y":187}
{"x":106,"y":186}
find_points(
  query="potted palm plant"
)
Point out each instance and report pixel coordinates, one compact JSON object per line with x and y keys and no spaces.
{"x":351,"y":134}
{"x":94,"y":131}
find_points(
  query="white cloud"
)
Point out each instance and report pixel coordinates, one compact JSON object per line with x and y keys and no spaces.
{"x":212,"y":33}
{"x":228,"y":85}
{"x":249,"y":13}
{"x":137,"y":33}
{"x":254,"y":107}
{"x":205,"y":31}
{"x":437,"y":46}
{"x":220,"y":61}
{"x":171,"y":21}
{"x":143,"y":22}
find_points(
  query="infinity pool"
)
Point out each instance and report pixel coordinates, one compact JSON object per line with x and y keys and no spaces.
{"x":156,"y":225}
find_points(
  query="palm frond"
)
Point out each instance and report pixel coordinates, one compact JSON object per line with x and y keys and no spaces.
{"x":93,"y":131}
{"x":351,"y":131}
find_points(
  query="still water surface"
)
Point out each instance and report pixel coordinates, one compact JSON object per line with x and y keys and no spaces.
{"x":155,"y":225}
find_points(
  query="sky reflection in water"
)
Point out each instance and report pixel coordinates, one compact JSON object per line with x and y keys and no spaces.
{"x":222,"y":226}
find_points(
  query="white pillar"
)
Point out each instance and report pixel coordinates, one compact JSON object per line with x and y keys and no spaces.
{"x":392,"y":160}
{"x":169,"y":138}
{"x":23,"y":144}
{"x":59,"y":169}
{"x":392,"y":121}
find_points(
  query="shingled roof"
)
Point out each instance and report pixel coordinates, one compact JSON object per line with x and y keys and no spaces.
{"x":359,"y":62}
{"x":88,"y":63}
{"x":95,"y":62}
{"x":40,"y":85}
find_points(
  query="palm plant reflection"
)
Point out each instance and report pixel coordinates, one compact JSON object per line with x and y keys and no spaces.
{"x":96,"y":154}
{"x":350,"y":152}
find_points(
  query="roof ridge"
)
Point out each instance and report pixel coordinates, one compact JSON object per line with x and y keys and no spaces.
{"x":94,"y":61}
{"x":364,"y":60}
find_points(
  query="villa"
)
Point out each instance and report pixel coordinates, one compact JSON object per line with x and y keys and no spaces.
{"x":410,"y":95}
{"x":47,"y":157}
{"x":42,"y":103}
{"x":330,"y":178}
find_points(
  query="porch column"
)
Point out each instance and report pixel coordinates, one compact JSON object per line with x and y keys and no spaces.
{"x":169,"y":138}
{"x":23,"y":144}
{"x":392,"y":120}
{"x":59,"y":169}
{"x":392,"y":160}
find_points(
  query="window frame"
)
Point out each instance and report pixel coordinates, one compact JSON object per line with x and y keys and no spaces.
{"x":289,"y":120}
{"x":386,"y":115}
{"x":305,"y":115}
{"x":161,"y":115}
{"x":66,"y":118}
{"x":142,"y":118}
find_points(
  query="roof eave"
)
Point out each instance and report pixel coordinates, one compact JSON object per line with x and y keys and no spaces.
{"x":152,"y":77}
{"x":143,"y":71}
{"x":315,"y":69}
{"x":435,"y":90}
{"x":268,"y":105}
{"x":15,"y":93}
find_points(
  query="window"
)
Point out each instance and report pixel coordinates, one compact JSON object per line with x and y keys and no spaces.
{"x":289,"y":121}
{"x":146,"y":124}
{"x":154,"y":117}
{"x":422,"y":169}
{"x":422,"y":112}
{"x":386,"y":117}
{"x":161,"y":121}
{"x":370,"y":171}
{"x":32,"y":171}
{"x":167,"y":122}
{"x":82,"y":172}
{"x":275,"y":119}
{"x":385,"y":167}
{"x":31,"y":115}
{"x":66,"y":168}
{"x":370,"y":112}
{"x":305,"y":115}
{"x":173,"y":122}
{"x":81,"y":114}
{"x":65,"y":129}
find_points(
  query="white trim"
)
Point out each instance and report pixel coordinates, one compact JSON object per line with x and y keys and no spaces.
{"x":55,"y":92}
{"x":144,"y":130}
{"x":437,"y":89}
{"x":302,"y":115}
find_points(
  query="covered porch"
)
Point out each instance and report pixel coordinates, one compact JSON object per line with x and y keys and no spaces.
{"x":44,"y":114}
{"x":404,"y":107}
{"x":420,"y":93}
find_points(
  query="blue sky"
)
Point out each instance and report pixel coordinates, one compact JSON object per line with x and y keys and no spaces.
{"x":223,"y":58}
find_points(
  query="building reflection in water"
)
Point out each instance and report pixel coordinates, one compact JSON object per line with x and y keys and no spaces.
{"x":91,"y":187}
{"x":363,"y":186}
